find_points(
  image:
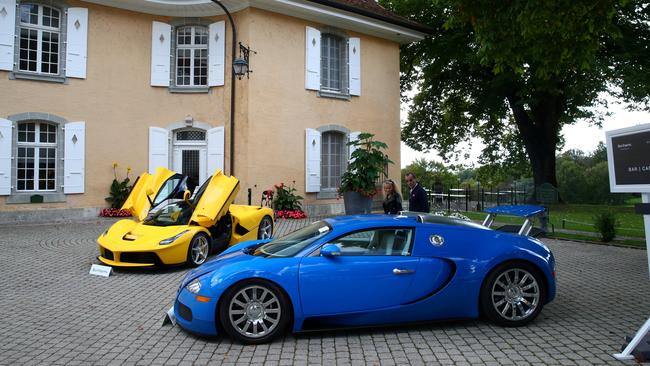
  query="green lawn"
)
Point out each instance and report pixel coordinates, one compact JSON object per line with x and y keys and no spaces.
{"x":578,"y":217}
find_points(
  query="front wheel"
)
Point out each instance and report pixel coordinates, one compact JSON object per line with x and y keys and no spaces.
{"x":198,"y":251}
{"x":265,"y":230}
{"x":254,"y":312}
{"x":513,"y":294}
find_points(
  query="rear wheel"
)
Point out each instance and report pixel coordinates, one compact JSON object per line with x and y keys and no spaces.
{"x":513,"y":294}
{"x":254,"y":312}
{"x":198,"y":251}
{"x":265,"y":230}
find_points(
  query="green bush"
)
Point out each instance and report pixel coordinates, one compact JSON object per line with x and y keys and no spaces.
{"x":367,"y":164}
{"x":120,"y":190}
{"x":286,"y":198}
{"x":606,"y":223}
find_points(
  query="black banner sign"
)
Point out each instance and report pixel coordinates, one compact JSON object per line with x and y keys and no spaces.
{"x":632,"y":158}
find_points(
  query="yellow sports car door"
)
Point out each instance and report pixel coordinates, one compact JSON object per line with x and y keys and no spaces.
{"x":214,"y":202}
{"x":146,"y":190}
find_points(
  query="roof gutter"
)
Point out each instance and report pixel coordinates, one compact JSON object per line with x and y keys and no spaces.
{"x":402,"y":23}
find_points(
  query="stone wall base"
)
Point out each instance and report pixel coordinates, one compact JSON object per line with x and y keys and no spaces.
{"x":52,"y":215}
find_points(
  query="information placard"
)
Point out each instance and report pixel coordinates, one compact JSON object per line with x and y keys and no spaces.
{"x":628,"y":155}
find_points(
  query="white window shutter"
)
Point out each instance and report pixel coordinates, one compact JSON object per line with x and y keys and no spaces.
{"x":216,"y":142}
{"x":312,"y":160}
{"x":216,"y":53}
{"x":74,"y":152}
{"x":354,"y":136}
{"x":77,"y":43}
{"x":158,"y":148}
{"x":5,"y":157}
{"x":312,"y":59}
{"x":161,"y":34}
{"x":7,"y":30}
{"x":354,"y":50}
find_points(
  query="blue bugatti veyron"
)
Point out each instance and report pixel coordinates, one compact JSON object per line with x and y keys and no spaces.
{"x":369,"y":270}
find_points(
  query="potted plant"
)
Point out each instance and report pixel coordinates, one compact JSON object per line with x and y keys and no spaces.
{"x":358,"y":183}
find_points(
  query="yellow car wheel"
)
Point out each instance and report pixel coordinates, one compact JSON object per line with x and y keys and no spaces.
{"x":198,"y":250}
{"x":265,"y":230}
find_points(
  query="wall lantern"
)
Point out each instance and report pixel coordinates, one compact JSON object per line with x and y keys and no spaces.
{"x":241,"y":65}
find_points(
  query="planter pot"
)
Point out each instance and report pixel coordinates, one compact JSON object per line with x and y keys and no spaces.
{"x":356,"y":203}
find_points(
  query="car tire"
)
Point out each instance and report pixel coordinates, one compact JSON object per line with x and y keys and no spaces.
{"x":513,"y":294}
{"x":198,"y":250}
{"x":265,"y":230}
{"x":266,"y":312}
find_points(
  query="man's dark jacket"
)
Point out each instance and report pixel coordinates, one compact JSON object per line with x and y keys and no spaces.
{"x":418,"y":200}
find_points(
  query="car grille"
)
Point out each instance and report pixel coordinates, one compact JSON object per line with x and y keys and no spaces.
{"x":184,"y":312}
{"x":139,"y":257}
{"x":108,"y":254}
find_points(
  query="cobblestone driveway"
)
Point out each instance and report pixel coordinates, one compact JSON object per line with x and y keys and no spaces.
{"x":54,"y":312}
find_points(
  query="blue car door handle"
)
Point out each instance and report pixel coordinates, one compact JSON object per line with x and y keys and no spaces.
{"x":399,"y":271}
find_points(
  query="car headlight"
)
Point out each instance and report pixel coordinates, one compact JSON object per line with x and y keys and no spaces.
{"x":173,"y":238}
{"x":194,"y":286}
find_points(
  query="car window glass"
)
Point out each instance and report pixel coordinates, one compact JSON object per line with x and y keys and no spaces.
{"x":291,"y":244}
{"x":177,"y":213}
{"x":377,"y":242}
{"x":167,"y":189}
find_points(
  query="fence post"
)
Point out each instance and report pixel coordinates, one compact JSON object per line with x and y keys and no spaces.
{"x":467,"y":198}
{"x":448,"y":199}
{"x":515,"y":192}
{"x":250,"y":196}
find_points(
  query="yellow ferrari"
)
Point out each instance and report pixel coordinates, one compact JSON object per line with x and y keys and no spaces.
{"x":171,"y":226}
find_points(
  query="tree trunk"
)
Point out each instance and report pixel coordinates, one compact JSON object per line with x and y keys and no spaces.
{"x":539,"y":128}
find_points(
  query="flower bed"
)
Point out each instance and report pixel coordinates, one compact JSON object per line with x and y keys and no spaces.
{"x":290,"y":214}
{"x":114,"y":212}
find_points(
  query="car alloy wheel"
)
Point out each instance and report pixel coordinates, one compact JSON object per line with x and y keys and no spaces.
{"x":199,"y":250}
{"x":513,"y":294}
{"x":265,"y":230}
{"x":254,"y":311}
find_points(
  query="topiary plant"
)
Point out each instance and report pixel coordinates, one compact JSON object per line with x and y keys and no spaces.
{"x":606,"y":223}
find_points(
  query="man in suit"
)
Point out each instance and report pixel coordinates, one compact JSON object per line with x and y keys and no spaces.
{"x":418,"y":200}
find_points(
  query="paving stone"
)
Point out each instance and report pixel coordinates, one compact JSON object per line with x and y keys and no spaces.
{"x":54,"y":312}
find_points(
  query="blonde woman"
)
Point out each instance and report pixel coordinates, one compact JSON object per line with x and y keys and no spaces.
{"x":392,"y":200}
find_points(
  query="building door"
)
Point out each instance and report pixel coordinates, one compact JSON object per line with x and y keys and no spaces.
{"x":189,"y":155}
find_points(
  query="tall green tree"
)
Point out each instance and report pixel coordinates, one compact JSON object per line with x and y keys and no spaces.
{"x":512,"y":73}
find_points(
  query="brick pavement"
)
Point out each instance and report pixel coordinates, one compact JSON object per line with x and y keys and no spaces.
{"x":54,"y":312}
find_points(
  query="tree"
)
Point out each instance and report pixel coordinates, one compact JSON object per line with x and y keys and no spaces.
{"x":512,"y":73}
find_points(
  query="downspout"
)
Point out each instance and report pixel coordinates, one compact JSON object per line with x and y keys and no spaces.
{"x":232,"y":88}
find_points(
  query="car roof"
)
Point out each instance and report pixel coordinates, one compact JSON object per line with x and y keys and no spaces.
{"x":404,"y":219}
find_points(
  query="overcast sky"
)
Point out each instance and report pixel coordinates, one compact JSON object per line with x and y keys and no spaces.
{"x":578,"y":136}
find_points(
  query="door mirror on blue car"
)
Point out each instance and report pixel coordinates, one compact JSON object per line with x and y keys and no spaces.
{"x":330,"y":250}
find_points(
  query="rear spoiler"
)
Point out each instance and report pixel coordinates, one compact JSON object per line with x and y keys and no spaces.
{"x":529,"y":212}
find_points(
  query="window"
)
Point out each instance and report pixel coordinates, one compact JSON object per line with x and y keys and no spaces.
{"x":384,"y":242}
{"x":334,"y":63}
{"x":36,"y":156}
{"x":191,"y":56}
{"x":333,"y":159}
{"x":40,"y":33}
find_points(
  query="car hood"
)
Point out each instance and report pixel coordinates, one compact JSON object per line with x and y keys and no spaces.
{"x":230,"y":257}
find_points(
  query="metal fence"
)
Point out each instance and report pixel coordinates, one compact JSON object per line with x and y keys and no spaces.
{"x":476,"y":197}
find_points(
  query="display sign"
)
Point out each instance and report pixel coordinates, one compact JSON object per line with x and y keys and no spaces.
{"x":628,"y":155}
{"x":99,"y":270}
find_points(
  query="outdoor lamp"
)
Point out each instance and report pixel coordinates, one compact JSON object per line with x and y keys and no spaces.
{"x":240,"y":66}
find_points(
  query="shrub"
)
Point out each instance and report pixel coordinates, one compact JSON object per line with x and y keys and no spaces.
{"x":119,"y":190}
{"x":367,"y":164}
{"x":606,"y":223}
{"x":286,"y":198}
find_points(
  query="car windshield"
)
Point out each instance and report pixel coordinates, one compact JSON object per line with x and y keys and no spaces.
{"x":289,"y":245}
{"x":177,"y":213}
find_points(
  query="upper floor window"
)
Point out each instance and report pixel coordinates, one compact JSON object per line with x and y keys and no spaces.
{"x":191,"y":56}
{"x":40,"y":33}
{"x":37,"y":152}
{"x":333,"y":63}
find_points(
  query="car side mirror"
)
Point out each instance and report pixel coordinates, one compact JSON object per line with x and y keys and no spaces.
{"x":186,"y":195}
{"x":149,"y":191}
{"x":330,"y":250}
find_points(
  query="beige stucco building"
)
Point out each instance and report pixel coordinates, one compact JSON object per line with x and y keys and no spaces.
{"x":144,"y":83}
